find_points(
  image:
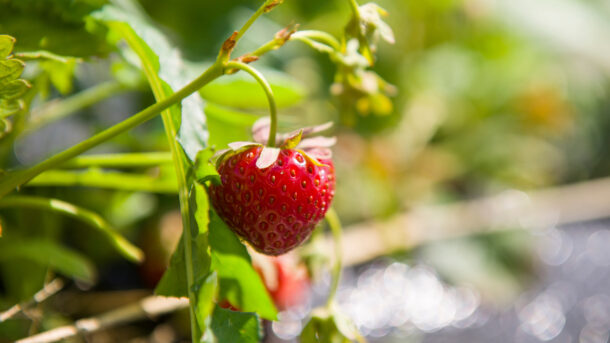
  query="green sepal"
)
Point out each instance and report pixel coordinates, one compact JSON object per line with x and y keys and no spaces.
{"x":234,"y":149}
{"x":328,"y":325}
{"x":205,"y":170}
{"x":292,"y":141}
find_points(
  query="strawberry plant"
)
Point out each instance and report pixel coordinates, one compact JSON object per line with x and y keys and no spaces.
{"x":269,"y":194}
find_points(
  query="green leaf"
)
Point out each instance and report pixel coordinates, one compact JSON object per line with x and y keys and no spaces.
{"x":59,"y":26}
{"x":49,"y":253}
{"x":233,"y":326}
{"x":10,"y":70}
{"x":241,"y":91}
{"x":61,"y":74}
{"x":11,"y":88}
{"x":9,"y":107}
{"x":5,"y":128}
{"x":6,"y":45}
{"x":165,"y":69}
{"x":240,"y":284}
{"x":322,"y":330}
{"x":228,"y":125}
{"x":205,"y":292}
{"x":120,"y":243}
{"x":14,"y":89}
{"x":328,"y":325}
{"x":204,"y":169}
{"x":174,"y":282}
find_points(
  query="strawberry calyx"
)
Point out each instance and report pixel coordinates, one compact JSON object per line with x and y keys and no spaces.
{"x":314,"y":148}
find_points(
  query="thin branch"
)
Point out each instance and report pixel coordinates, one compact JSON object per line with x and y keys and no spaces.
{"x":320,"y":36}
{"x":152,"y":306}
{"x":355,"y":9}
{"x":105,"y":179}
{"x":47,"y":291}
{"x":120,"y":243}
{"x":265,"y":7}
{"x":335,"y":227}
{"x":268,"y":92}
{"x":46,"y":55}
{"x":61,"y":108}
{"x":15,"y":179}
{"x":125,"y":160}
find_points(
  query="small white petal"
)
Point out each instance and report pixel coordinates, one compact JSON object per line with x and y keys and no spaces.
{"x":386,"y":32}
{"x":317,"y":142}
{"x":260,"y":130}
{"x":319,"y":153}
{"x":267,"y":157}
{"x":238,"y":145}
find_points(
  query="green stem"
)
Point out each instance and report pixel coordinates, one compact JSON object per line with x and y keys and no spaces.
{"x":318,"y":40}
{"x":354,"y":6}
{"x":126,"y":160}
{"x":171,"y":131}
{"x":100,"y":179}
{"x":56,"y":110}
{"x":321,"y":36}
{"x":262,"y":9}
{"x":122,"y":245}
{"x":321,"y":47}
{"x":335,"y":227}
{"x":43,"y":54}
{"x":265,"y":48}
{"x":15,"y":179}
{"x":267,"y":88}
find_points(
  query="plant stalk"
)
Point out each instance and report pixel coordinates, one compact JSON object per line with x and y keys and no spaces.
{"x":122,"y":245}
{"x":56,"y":110}
{"x":15,"y":179}
{"x":265,"y":7}
{"x":320,"y":36}
{"x":105,"y":179}
{"x":335,"y":227}
{"x":268,"y":92}
{"x":125,"y":160}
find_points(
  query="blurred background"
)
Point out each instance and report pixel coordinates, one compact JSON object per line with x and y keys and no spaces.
{"x":474,"y":193}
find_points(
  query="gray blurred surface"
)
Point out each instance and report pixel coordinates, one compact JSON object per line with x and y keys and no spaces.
{"x":569,"y":301}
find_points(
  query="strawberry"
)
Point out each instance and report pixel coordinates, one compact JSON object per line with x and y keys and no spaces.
{"x":288,"y":283}
{"x":274,"y":197}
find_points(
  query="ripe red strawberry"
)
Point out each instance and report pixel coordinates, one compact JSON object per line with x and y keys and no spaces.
{"x":273,"y":198}
{"x":275,"y":208}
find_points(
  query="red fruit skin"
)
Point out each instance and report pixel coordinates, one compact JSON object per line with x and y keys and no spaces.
{"x":292,"y":284}
{"x":289,"y":287}
{"x":227,"y":305}
{"x":276,"y":208}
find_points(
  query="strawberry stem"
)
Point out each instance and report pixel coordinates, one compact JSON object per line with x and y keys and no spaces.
{"x":335,"y":227}
{"x":266,"y":88}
